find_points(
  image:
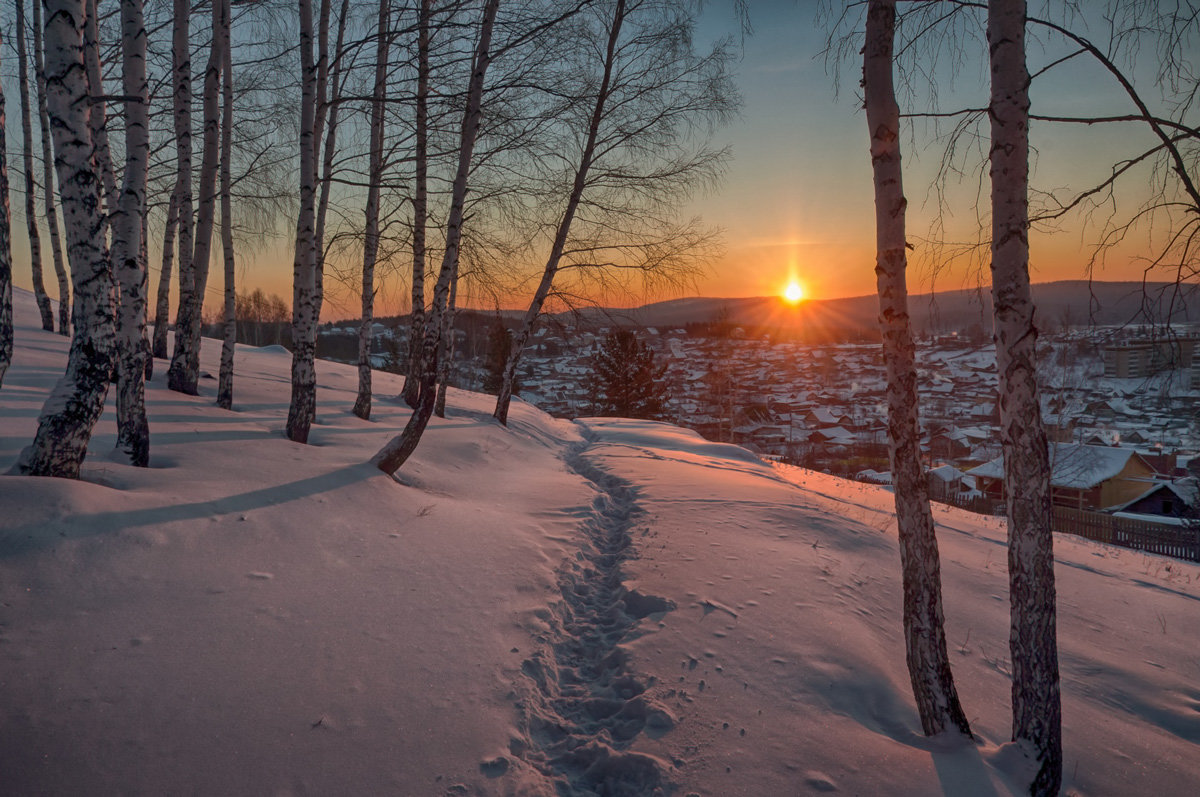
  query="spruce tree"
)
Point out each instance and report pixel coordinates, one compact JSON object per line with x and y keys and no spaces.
{"x":626,"y":380}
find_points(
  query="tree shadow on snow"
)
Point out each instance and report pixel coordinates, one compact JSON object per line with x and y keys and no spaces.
{"x":46,"y":533}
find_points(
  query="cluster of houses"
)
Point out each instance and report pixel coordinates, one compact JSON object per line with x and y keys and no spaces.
{"x":1119,"y":440}
{"x":1120,"y":443}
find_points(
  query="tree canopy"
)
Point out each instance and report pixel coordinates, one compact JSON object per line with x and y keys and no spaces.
{"x":625,"y":380}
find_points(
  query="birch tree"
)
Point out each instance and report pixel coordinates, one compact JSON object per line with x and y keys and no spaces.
{"x":129,"y":265}
{"x":74,"y":405}
{"x":98,"y":112}
{"x":924,"y":633}
{"x":183,"y":375}
{"x":416,"y":330}
{"x":446,"y":348}
{"x":560,"y":236}
{"x":6,"y":312}
{"x":1036,"y":702}
{"x":162,"y":303}
{"x":400,"y":448}
{"x":229,"y":341}
{"x":362,"y":402}
{"x":181,"y":62}
{"x":48,"y":166}
{"x":329,"y":108}
{"x":31,"y":224}
{"x":644,"y":97}
{"x":302,"y":407}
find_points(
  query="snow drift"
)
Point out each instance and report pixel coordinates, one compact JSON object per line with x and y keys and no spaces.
{"x":601,"y":607}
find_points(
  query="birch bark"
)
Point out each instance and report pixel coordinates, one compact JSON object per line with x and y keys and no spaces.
{"x":74,"y":405}
{"x":329,"y":150}
{"x":35,"y":241}
{"x":144,"y":257}
{"x":924,"y":632}
{"x":302,"y":407}
{"x":182,"y":86}
{"x":56,"y":249}
{"x":446,"y":347}
{"x":6,"y":317}
{"x":1036,"y":701}
{"x":133,"y":430}
{"x":400,"y":448}
{"x":229,"y":341}
{"x":362,"y":402}
{"x":416,"y":330}
{"x":184,"y":372}
{"x":564,"y":226}
{"x":162,"y":304}
{"x":98,"y":111}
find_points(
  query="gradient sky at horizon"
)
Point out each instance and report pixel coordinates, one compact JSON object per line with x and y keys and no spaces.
{"x":797,"y":198}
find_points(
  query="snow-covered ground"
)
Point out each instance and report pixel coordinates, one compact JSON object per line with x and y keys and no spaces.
{"x":604,"y":607}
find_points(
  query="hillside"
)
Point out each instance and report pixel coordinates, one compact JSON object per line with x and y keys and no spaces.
{"x":1075,"y":302}
{"x":602,"y":607}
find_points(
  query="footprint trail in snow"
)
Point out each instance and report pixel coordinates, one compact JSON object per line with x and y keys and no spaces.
{"x":586,"y":705}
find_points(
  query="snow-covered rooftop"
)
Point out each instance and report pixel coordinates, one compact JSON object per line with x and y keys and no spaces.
{"x":1073,"y":465}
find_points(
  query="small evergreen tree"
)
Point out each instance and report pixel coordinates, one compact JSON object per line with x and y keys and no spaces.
{"x":625,"y":379}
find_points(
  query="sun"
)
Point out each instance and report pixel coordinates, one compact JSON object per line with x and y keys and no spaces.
{"x":793,"y":293}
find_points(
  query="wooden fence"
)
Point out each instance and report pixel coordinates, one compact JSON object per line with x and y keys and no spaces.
{"x":979,"y":504}
{"x":1181,"y":542}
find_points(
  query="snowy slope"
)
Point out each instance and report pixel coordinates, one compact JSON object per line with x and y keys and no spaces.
{"x":552,"y":608}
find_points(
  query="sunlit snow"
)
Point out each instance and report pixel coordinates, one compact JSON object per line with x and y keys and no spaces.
{"x":527,"y":611}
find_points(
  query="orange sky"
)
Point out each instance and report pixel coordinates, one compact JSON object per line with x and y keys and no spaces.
{"x":797,"y":200}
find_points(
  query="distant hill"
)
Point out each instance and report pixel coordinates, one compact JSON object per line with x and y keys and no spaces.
{"x":1059,"y":304}
{"x":1065,"y":303}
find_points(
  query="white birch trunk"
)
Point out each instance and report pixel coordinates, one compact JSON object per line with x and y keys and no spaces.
{"x":302,"y":408}
{"x":564,"y":226}
{"x":162,"y":304}
{"x":66,"y":421}
{"x":97,"y":116}
{"x":329,"y":150}
{"x":6,"y":311}
{"x":184,"y":372}
{"x":400,"y":448}
{"x":416,"y":331}
{"x":229,"y":341}
{"x":182,"y":86}
{"x":144,"y":258}
{"x":924,"y":631}
{"x":322,"y":78}
{"x":1036,"y":702}
{"x":446,"y":347}
{"x":133,"y":431}
{"x":35,"y":240}
{"x":362,"y":402}
{"x":56,"y":249}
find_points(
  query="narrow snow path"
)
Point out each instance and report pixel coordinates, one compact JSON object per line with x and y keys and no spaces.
{"x":586,"y":704}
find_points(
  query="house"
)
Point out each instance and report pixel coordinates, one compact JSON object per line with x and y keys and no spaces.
{"x":1167,"y":499}
{"x":821,"y":416}
{"x":946,"y":481}
{"x":1082,"y":476}
{"x":951,"y":445}
{"x":833,"y":436}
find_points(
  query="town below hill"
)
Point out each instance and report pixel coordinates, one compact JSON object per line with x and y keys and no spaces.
{"x":822,"y":405}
